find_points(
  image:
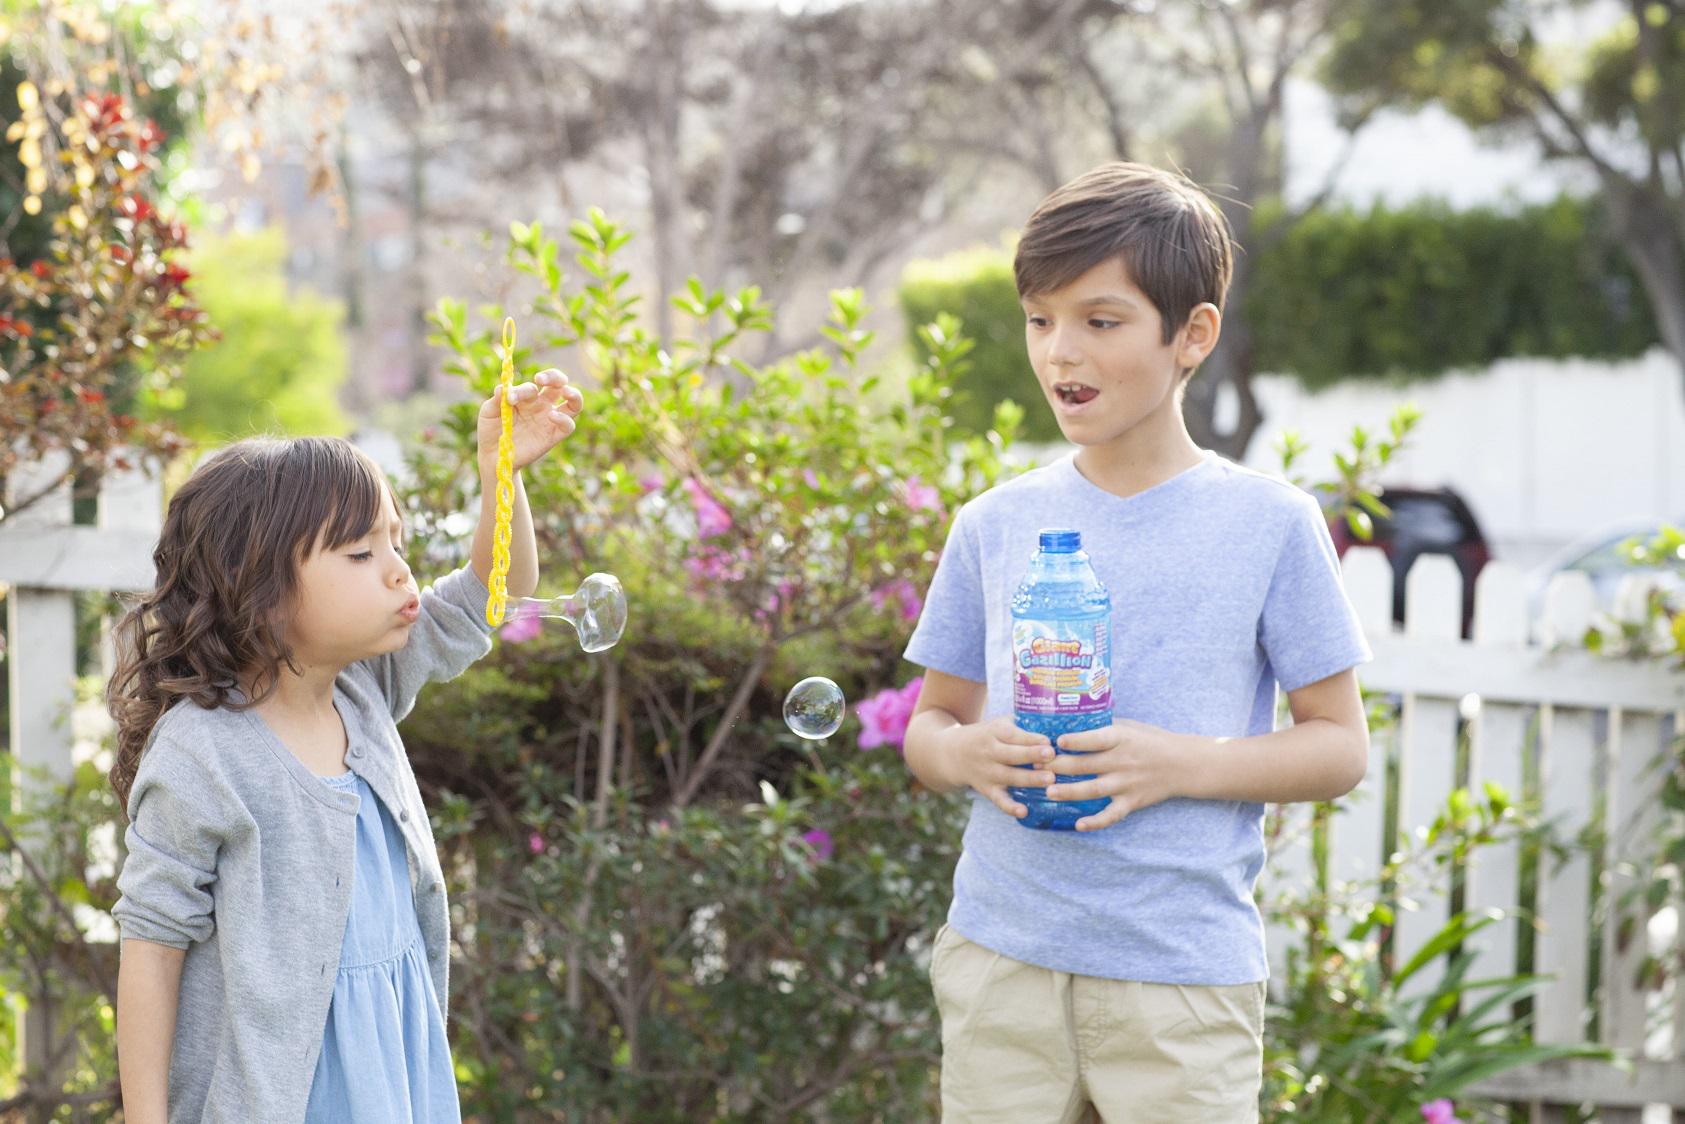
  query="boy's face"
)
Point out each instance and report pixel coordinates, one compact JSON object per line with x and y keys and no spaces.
{"x":351,"y":599}
{"x":1098,"y":350}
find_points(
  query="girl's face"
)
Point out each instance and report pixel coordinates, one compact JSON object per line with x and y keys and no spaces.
{"x":1098,"y":352}
{"x":357,"y":600}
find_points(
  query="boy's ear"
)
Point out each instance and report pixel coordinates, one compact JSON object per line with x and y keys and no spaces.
{"x":1199,"y":335}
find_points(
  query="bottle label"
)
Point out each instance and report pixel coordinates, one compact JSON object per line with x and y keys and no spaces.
{"x":1062,"y":666}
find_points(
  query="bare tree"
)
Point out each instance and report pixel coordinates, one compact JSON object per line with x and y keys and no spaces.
{"x":765,"y":143}
{"x":1199,"y":84}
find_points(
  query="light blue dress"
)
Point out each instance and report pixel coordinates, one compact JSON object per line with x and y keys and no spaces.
{"x":385,"y":1058}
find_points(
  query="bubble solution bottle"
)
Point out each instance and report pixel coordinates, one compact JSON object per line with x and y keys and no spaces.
{"x":1061,"y":664}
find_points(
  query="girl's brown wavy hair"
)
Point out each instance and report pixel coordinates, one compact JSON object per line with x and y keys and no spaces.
{"x":227,"y":565}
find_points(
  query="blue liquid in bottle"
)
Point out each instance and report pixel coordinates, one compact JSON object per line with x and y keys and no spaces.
{"x":1061,"y":664}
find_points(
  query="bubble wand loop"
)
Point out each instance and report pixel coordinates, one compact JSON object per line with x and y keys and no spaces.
{"x":499,"y":584}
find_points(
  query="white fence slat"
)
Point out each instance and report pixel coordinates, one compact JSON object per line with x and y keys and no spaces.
{"x":132,"y":499}
{"x":42,"y":678}
{"x":1367,"y":576}
{"x":1427,"y":757}
{"x":1636,"y":741}
{"x":1289,"y":869}
{"x":1567,"y":747}
{"x":1356,"y":850}
{"x":1497,"y":743}
{"x":1569,"y":602}
{"x":26,"y":480}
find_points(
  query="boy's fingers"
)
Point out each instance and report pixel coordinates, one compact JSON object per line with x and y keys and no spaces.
{"x":1096,"y":762}
{"x":1015,"y":753}
{"x":1106,"y":817}
{"x":1079,"y":790}
{"x":1009,"y":731}
{"x":1088,"y":740}
{"x":1005,"y":803}
{"x":1025,"y":778}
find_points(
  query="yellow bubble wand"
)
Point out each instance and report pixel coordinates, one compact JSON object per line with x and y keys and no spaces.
{"x":499,"y":583}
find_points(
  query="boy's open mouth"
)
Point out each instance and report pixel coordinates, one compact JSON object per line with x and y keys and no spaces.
{"x":1074,"y":393}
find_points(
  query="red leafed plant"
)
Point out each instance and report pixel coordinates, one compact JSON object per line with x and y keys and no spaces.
{"x":108,"y":305}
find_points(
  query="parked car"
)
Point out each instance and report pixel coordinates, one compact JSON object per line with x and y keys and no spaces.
{"x":1423,"y":521}
{"x":1601,"y":558}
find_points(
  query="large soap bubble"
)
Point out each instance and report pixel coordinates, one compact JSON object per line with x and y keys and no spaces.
{"x":814,"y":708}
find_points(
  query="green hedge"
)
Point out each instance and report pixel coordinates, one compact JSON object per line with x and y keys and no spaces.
{"x":1384,"y":293}
{"x":1416,"y":292}
{"x":976,"y":285}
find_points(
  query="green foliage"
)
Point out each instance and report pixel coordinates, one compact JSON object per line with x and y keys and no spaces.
{"x":55,"y":873}
{"x":1636,"y":72}
{"x":679,"y":951}
{"x":1409,"y":53}
{"x":1390,"y":293}
{"x":280,"y":361}
{"x":1419,"y":291}
{"x":976,"y":287}
{"x":1353,"y":1039}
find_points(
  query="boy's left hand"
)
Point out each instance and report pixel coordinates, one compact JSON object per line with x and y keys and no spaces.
{"x":545,"y":409}
{"x":1137,"y":765}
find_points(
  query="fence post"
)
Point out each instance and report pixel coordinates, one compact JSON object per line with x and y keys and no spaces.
{"x":45,"y":560}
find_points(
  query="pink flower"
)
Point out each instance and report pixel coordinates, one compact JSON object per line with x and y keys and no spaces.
{"x":776,"y":600}
{"x":651,"y":483}
{"x":523,"y":624}
{"x":820,"y":840}
{"x":884,"y":716}
{"x":811,"y":477}
{"x":921,"y":496}
{"x":904,"y":593}
{"x":716,"y":565}
{"x":711,"y":516}
{"x":1440,"y":1112}
{"x":535,"y":843}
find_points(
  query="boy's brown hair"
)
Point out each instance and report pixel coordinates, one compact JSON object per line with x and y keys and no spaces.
{"x":1171,"y":237}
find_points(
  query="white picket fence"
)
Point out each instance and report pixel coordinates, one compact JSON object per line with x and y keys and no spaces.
{"x":44,"y":561}
{"x":1518,"y":696}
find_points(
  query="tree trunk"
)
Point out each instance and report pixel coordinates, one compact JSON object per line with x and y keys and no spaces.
{"x":1656,"y":248}
{"x":661,"y":148}
{"x":1230,"y":363}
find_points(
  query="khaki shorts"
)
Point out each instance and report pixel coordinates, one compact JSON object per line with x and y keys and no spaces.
{"x":1030,"y":1045}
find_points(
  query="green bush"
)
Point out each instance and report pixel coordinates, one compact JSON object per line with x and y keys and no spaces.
{"x":1389,"y":293}
{"x":1353,"y":1038}
{"x":280,"y":361}
{"x":671,"y":908}
{"x":976,"y":286}
{"x":1416,"y":292}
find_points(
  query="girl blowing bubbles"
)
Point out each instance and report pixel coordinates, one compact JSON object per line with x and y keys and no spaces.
{"x":282,"y":909}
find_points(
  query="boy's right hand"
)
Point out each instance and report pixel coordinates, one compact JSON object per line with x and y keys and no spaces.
{"x":985,"y":756}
